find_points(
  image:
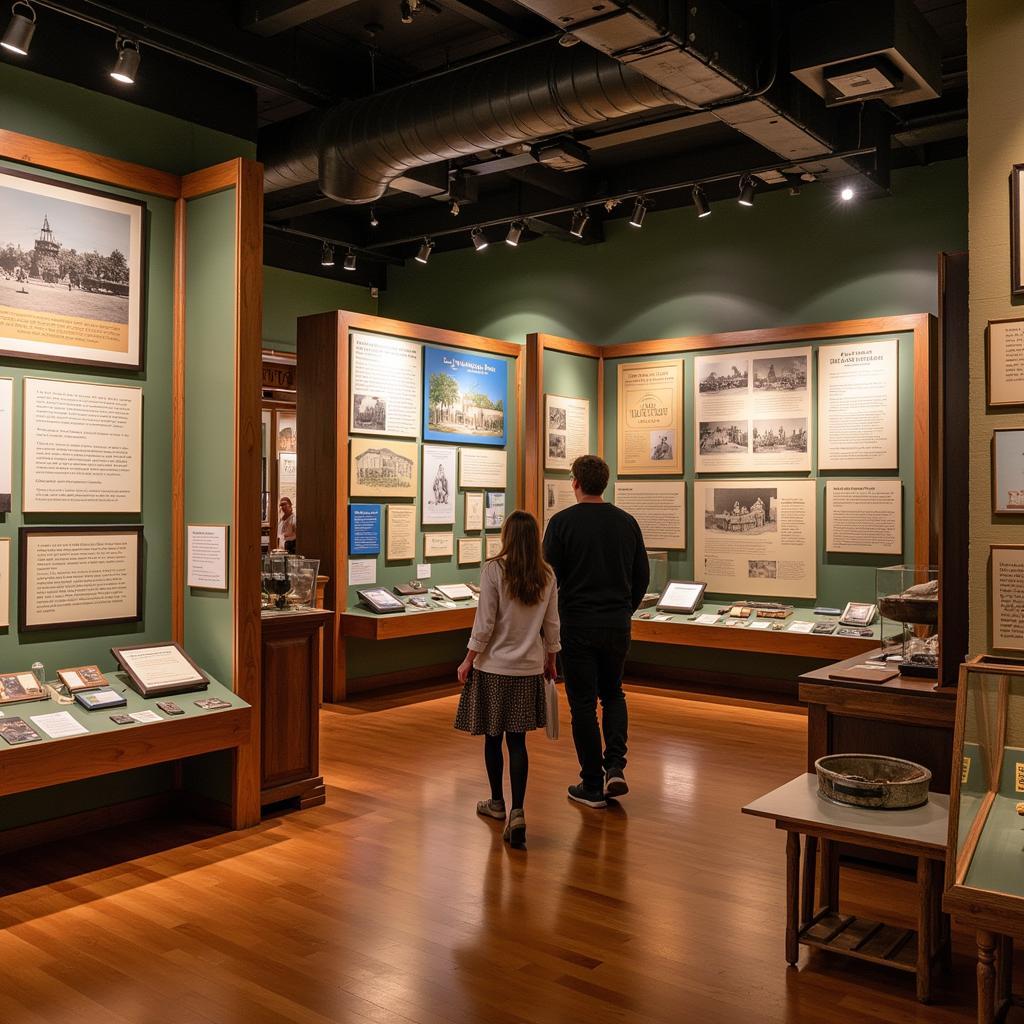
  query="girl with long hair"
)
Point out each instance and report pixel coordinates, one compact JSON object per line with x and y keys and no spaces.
{"x":511,"y":649}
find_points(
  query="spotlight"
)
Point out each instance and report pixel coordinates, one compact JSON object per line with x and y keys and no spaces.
{"x":374,"y":219}
{"x":636,"y":219}
{"x":326,"y":255}
{"x":746,"y":191}
{"x":350,"y":260}
{"x":17,"y":36}
{"x":700,"y":202}
{"x":127,"y":65}
{"x":425,"y":250}
{"x":479,"y":239}
{"x":847,"y":194}
{"x":579,"y":222}
{"x":515,"y":232}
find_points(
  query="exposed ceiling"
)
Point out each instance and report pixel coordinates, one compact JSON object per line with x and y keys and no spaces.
{"x":700,"y":92}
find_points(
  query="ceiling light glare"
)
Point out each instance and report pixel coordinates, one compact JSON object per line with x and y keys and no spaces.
{"x":847,"y":194}
{"x":17,"y":36}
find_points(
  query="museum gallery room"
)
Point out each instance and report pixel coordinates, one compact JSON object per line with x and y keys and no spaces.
{"x":511,"y":511}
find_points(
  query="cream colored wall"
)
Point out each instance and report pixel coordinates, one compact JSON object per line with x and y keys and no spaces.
{"x":995,"y":40}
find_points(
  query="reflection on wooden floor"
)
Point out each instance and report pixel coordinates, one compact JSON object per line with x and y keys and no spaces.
{"x":395,"y":904}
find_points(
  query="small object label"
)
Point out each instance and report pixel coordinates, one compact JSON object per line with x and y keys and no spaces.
{"x":422,"y":572}
{"x":966,"y":771}
{"x":1020,"y":777}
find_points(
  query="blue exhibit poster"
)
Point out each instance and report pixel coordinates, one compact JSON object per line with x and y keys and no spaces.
{"x":364,"y":529}
{"x":466,"y":397}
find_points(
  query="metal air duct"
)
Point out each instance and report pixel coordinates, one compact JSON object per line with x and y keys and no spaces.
{"x":357,"y":149}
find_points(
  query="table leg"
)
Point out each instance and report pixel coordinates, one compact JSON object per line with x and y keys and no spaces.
{"x":1004,"y":969}
{"x":810,"y":867}
{"x":986,"y":977}
{"x":792,"y":897}
{"x":828,"y":882}
{"x":925,"y":921}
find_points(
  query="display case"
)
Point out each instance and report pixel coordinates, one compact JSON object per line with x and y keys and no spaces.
{"x":908,"y":604}
{"x":985,"y":864}
{"x":288,"y":582}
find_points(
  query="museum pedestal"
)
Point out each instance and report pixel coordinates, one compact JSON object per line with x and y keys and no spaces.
{"x":290,"y":707}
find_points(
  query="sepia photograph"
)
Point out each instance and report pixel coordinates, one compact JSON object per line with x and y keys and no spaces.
{"x":723,"y":375}
{"x":780,"y":435}
{"x":762,"y":569}
{"x":71,"y":269}
{"x":722,"y":436}
{"x":781,"y":373}
{"x":556,"y":446}
{"x":663,"y":445}
{"x":556,"y":417}
{"x":383,"y":469}
{"x":369,"y":412}
{"x":744,"y":510}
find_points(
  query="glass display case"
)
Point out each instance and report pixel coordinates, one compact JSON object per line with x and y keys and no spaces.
{"x":657,"y":561}
{"x":288,"y":582}
{"x":908,"y":605}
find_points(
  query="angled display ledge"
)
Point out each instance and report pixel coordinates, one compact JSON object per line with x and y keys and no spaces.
{"x":679,"y":629}
{"x":108,"y":747}
{"x":366,"y":625}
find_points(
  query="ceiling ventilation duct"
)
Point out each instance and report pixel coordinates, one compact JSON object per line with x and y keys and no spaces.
{"x":357,"y":149}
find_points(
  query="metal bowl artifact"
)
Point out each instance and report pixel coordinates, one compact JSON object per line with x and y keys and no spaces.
{"x":872,"y":781}
{"x":914,"y":610}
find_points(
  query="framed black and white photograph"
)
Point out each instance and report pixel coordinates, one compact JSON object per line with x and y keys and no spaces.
{"x":1008,"y":471}
{"x":79,"y":576}
{"x":72,"y":269}
{"x":1016,"y":235}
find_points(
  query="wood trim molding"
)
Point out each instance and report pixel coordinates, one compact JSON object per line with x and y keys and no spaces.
{"x":178,"y":425}
{"x":53,"y":156}
{"x":421,"y":332}
{"x":245,"y":537}
{"x":213,"y":179}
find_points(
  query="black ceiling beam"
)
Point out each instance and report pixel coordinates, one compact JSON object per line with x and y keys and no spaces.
{"x":272,"y":17}
{"x":490,"y":17}
{"x":201,"y":33}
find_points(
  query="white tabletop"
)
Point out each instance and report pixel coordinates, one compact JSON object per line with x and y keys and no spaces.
{"x":797,"y":803}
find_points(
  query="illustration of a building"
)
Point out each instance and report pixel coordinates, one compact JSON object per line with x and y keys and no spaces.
{"x":384,"y":467}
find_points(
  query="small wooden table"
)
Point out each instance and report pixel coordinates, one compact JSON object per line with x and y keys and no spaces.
{"x":797,"y":809}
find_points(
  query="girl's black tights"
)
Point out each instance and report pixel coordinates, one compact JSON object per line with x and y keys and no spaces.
{"x":518,"y":765}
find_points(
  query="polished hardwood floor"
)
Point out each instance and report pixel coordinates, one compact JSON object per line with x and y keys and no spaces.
{"x":396,"y":904}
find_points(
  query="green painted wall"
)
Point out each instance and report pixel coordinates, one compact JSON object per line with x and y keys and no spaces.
{"x":287,"y":296}
{"x":788,"y":260}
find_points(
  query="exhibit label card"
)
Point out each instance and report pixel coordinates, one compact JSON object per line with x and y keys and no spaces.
{"x":401,"y":544}
{"x":438,"y":545}
{"x":439,"y":488}
{"x":474,"y":511}
{"x":864,"y":516}
{"x":1006,"y":362}
{"x":6,"y":441}
{"x":650,"y":423}
{"x":207,"y":557}
{"x":470,"y":550}
{"x":5,"y":581}
{"x":753,"y":411}
{"x":82,"y":447}
{"x":362,"y":571}
{"x":481,"y":468}
{"x":659,"y":506}
{"x":858,"y":405}
{"x":159,"y":665}
{"x":567,"y":430}
{"x":493,"y":547}
{"x":386,"y":375}
{"x":558,"y":494}
{"x":288,"y":477}
{"x":364,"y":529}
{"x":1008,"y":597}
{"x":382,"y":468}
{"x":756,"y":537}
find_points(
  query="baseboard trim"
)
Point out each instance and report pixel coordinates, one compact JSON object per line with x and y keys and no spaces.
{"x":717,"y":684}
{"x":406,"y":678}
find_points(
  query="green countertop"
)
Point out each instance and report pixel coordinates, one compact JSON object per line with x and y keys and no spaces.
{"x":710,"y":607}
{"x":999,"y":856}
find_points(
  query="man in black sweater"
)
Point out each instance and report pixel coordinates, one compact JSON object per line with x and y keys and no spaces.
{"x":598,"y":554}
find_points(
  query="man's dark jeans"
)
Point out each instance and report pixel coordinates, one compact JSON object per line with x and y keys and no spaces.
{"x":592,"y":663}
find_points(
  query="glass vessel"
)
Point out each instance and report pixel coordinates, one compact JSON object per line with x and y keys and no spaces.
{"x":908,"y":605}
{"x":302,"y":579}
{"x":274,"y":580}
{"x":657,"y":561}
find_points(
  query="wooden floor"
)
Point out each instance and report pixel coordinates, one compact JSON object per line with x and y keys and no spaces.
{"x":394,"y":903}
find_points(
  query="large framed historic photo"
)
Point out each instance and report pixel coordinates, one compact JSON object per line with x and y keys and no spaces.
{"x":78,"y":576}
{"x":72,"y":270}
{"x":465,"y":397}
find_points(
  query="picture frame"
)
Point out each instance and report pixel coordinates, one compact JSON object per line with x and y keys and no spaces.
{"x":1008,"y":471}
{"x":1006,"y":597}
{"x":79,"y":270}
{"x":207,"y":556}
{"x":1004,"y":348}
{"x":1016,"y":209}
{"x":190,"y":679}
{"x":858,"y":613}
{"x":682,"y":596}
{"x":383,"y":468}
{"x":465,"y":397}
{"x":44,"y":598}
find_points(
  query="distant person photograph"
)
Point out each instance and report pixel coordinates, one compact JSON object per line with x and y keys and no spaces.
{"x":286,"y":525}
{"x":597,"y":553}
{"x":511,"y":650}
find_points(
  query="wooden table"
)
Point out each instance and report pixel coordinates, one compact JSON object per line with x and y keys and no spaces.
{"x":797,"y":809}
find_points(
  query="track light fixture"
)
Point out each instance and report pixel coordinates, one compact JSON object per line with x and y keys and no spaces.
{"x":128,"y":58}
{"x":746,"y":197}
{"x":580,"y":217}
{"x":425,"y":250}
{"x":374,"y":219}
{"x":326,"y":254}
{"x":479,"y":239}
{"x":515,"y":233}
{"x":636,"y":218}
{"x":350,"y":261}
{"x":700,"y":202}
{"x":17,"y":36}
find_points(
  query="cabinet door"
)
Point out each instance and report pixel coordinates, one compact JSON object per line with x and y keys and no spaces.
{"x":290,"y":708}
